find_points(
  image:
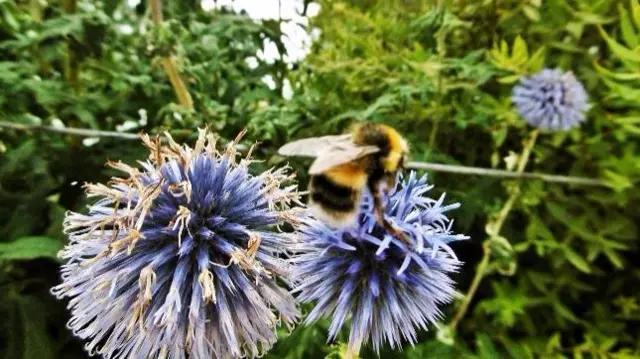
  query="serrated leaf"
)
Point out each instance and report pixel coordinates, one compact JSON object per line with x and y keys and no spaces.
{"x":29,"y":248}
{"x":620,"y":51}
{"x":576,"y":260}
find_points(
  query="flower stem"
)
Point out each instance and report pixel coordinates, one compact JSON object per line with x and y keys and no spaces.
{"x":72,"y":64}
{"x":168,"y":63}
{"x":483,"y":266}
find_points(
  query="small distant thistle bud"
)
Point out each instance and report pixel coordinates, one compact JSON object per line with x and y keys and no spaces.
{"x":366,"y":274}
{"x":551,"y":100}
{"x":180,"y":259}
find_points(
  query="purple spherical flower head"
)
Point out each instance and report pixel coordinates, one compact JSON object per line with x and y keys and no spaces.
{"x":365,"y":274}
{"x":180,"y":259}
{"x":551,"y":100}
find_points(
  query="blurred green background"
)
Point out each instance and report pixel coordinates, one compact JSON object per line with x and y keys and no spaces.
{"x":562,"y":278}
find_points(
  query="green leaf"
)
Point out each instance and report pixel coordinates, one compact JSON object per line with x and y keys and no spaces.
{"x":555,"y":342}
{"x":56,"y":216}
{"x":37,"y":342}
{"x":561,"y":215}
{"x":18,"y":156}
{"x":635,"y":12}
{"x":563,"y":311}
{"x":613,"y":257}
{"x":536,"y":61}
{"x":10,"y":325}
{"x":616,"y":75}
{"x":575,"y":28}
{"x":10,"y":11}
{"x":608,"y":343}
{"x":592,"y":18}
{"x":620,"y":51}
{"x":531,"y":12}
{"x":576,"y":260}
{"x":30,"y":248}
{"x":520,"y":50}
{"x":509,"y":79}
{"x":618,"y":182}
{"x":517,"y":350}
{"x":628,"y":33}
{"x":486,"y":348}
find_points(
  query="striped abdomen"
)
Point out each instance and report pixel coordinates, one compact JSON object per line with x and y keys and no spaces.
{"x":335,"y":194}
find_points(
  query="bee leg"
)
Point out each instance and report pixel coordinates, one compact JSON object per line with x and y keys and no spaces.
{"x":378,"y":209}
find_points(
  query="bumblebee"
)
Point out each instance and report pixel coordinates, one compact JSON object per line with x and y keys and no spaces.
{"x":368,"y":157}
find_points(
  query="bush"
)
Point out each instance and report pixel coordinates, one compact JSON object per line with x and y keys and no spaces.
{"x":558,"y":259}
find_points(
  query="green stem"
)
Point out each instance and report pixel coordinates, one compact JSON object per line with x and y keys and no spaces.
{"x":483,"y":266}
{"x":433,"y":133}
{"x":36,"y":10}
{"x":436,"y":119}
{"x":72,"y":65}
{"x":168,"y":63}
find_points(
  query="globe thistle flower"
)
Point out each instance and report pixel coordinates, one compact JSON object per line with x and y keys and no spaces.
{"x":178,"y":259}
{"x":387,"y":289}
{"x":551,"y":100}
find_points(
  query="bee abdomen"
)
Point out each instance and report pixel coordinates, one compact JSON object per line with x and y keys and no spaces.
{"x":333,"y":197}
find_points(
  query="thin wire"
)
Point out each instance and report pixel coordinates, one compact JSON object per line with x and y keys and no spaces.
{"x":490,"y":172}
{"x":437,"y":167}
{"x":70,"y":131}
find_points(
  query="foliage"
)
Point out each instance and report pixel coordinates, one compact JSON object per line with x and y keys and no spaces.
{"x":561,"y":281}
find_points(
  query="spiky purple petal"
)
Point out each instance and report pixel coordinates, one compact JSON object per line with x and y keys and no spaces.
{"x":365,"y":274}
{"x":551,"y":100}
{"x":180,"y":259}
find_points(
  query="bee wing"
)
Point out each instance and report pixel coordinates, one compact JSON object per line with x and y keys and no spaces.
{"x":338,"y":155}
{"x":314,"y":146}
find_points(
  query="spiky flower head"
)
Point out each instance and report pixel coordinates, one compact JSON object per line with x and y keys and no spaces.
{"x":551,"y":100}
{"x":180,"y":259}
{"x":388,"y":290}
